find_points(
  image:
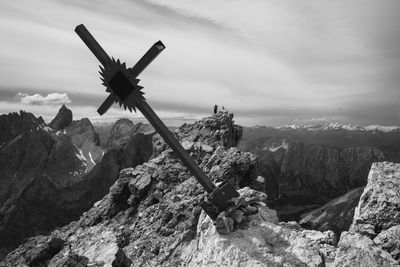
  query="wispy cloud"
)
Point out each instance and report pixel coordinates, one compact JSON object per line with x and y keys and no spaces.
{"x":38,"y":99}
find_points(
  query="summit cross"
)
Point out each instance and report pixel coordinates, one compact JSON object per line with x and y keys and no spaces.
{"x":122,"y":85}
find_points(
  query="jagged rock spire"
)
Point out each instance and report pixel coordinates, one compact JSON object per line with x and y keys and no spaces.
{"x":62,"y":119}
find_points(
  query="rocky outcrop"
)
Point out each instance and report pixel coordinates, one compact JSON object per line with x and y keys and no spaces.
{"x":373,"y":236}
{"x":13,"y":124}
{"x":336,"y":215}
{"x":263,"y":242}
{"x":379,"y":206}
{"x":358,"y":250}
{"x":218,"y":130}
{"x":62,"y":119}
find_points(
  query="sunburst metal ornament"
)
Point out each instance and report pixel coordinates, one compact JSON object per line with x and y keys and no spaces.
{"x":123,"y":88}
{"x":109,"y":76}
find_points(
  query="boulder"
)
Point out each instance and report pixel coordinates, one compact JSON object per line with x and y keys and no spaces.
{"x":379,"y":204}
{"x":355,"y":249}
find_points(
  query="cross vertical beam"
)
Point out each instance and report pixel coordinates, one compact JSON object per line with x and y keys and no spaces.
{"x":123,"y":88}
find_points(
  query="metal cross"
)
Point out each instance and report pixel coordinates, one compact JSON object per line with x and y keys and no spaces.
{"x":122,"y":84}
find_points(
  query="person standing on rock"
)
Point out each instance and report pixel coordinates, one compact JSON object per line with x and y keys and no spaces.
{"x":215,"y":109}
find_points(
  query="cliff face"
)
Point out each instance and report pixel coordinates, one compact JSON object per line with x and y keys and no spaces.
{"x":31,"y":155}
{"x":123,"y":129}
{"x":314,"y":173}
{"x":312,"y":167}
{"x":83,"y":135}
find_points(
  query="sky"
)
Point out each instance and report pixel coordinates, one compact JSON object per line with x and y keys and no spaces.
{"x":270,"y":62}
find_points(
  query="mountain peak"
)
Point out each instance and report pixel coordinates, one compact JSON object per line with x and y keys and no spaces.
{"x":62,"y":119}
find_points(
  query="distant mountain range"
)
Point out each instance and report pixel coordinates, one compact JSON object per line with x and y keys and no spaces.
{"x":310,"y":165}
{"x":332,"y":126}
{"x":338,"y":126}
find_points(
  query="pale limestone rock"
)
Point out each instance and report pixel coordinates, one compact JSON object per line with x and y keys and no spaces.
{"x":97,"y":243}
{"x":389,"y":240}
{"x":357,"y":250}
{"x":263,"y":243}
{"x":379,"y":204}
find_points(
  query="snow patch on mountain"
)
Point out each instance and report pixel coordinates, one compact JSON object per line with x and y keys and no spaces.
{"x":80,"y":156}
{"x":338,"y":126}
{"x":91,"y":158}
{"x":382,"y":128}
{"x":275,"y":147}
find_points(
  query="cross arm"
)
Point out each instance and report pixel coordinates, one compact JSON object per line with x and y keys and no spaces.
{"x":147,"y":58}
{"x":92,"y":44}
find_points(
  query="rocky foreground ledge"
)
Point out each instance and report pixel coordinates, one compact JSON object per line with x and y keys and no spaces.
{"x":373,"y":238}
{"x":151,"y":217}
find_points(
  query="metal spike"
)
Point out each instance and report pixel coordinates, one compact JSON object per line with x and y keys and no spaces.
{"x":120,"y":103}
{"x":130,"y":109}
{"x":101,"y":68}
{"x":119,"y":62}
{"x":134,"y":108}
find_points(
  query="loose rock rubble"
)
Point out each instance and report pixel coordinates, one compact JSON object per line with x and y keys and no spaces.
{"x":242,"y":211}
{"x":262,"y":242}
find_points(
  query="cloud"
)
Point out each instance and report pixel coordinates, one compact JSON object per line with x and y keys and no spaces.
{"x":38,"y":99}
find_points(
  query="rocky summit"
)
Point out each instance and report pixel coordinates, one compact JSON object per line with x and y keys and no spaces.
{"x":151,"y":216}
